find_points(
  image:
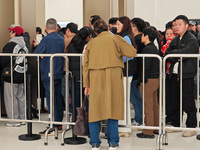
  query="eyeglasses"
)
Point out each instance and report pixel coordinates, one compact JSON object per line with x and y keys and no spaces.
{"x":10,"y":31}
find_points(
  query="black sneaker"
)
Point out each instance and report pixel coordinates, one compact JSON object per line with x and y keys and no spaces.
{"x":95,"y":146}
{"x":198,"y":137}
{"x":142,"y":135}
{"x":51,"y":131}
{"x":113,"y":146}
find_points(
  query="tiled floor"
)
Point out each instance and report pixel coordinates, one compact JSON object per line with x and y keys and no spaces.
{"x":9,"y":141}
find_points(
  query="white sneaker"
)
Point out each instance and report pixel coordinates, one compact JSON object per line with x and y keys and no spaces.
{"x":113,"y":146}
{"x":10,"y":124}
{"x":172,"y":130}
{"x":23,"y":123}
{"x":189,"y":133}
{"x":95,"y":147}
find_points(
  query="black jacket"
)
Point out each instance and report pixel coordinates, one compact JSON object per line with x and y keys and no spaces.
{"x":139,"y":46}
{"x":151,"y":64}
{"x":187,"y":45}
{"x":74,"y":62}
{"x":16,"y":45}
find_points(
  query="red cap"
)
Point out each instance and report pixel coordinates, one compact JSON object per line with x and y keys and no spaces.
{"x":18,"y":30}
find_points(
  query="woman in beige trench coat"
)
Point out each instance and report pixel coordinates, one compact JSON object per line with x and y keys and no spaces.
{"x":103,"y":81}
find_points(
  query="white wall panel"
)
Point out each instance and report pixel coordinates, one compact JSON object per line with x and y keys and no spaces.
{"x":65,"y":11}
{"x":159,"y":12}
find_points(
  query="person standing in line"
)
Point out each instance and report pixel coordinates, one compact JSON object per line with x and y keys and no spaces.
{"x":16,"y":45}
{"x":103,"y":81}
{"x":138,"y":25}
{"x":51,"y":44}
{"x":184,"y":43}
{"x":150,"y":83}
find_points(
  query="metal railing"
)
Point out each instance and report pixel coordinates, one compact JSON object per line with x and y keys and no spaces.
{"x":162,"y":77}
{"x":181,"y":128}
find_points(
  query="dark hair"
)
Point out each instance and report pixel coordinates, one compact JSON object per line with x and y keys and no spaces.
{"x":182,"y":17}
{"x":126,"y":25}
{"x":38,"y":29}
{"x":94,"y":16}
{"x":168,"y":25}
{"x":95,"y":19}
{"x":18,"y":35}
{"x":59,"y":26}
{"x":151,"y":33}
{"x":72,"y":27}
{"x":147,"y":23}
{"x":139,"y":23}
{"x":100,"y":26}
{"x":63,"y":30}
{"x":113,"y":20}
{"x":79,"y":39}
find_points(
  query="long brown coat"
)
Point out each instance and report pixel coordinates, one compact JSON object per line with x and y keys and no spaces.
{"x":102,"y":72}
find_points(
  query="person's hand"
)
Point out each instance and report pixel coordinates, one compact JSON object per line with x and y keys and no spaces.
{"x":34,"y":43}
{"x":87,"y":91}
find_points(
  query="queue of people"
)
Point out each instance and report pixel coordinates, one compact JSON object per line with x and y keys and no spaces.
{"x":107,"y":50}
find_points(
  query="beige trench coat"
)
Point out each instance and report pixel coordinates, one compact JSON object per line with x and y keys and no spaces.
{"x":102,"y":72}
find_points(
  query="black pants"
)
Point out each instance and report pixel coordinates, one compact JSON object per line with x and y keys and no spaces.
{"x":173,"y":101}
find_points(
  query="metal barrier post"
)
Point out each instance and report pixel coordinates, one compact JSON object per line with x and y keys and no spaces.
{"x":74,"y":139}
{"x":29,"y":136}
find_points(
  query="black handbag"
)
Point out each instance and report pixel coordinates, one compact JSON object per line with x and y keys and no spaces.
{"x":81,"y":126}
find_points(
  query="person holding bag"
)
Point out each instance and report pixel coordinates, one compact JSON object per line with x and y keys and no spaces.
{"x":103,"y":82}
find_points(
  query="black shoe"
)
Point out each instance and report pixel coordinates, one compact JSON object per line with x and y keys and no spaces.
{"x":96,"y":146}
{"x":142,"y":135}
{"x":198,"y":137}
{"x":155,"y":132}
{"x":51,"y":131}
{"x":113,"y":145}
{"x":105,"y":136}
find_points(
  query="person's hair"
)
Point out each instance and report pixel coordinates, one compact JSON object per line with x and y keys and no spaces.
{"x":95,"y":19}
{"x":139,"y":24}
{"x":58,"y":26}
{"x":79,"y":39}
{"x":126,"y":25}
{"x":38,"y":29}
{"x":22,"y":34}
{"x":94,"y":16}
{"x":151,"y":33}
{"x":51,"y":24}
{"x":113,"y":20}
{"x":72,"y":27}
{"x":63,"y":30}
{"x":100,"y":26}
{"x":182,"y":17}
{"x":168,"y":25}
{"x":147,"y":24}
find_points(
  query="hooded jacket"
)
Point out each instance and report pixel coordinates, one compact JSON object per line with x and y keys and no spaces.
{"x":16,"y":45}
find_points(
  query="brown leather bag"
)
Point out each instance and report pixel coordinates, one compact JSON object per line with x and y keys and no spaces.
{"x":81,"y":126}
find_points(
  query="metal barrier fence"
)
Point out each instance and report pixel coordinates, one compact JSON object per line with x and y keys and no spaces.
{"x":162,"y":76}
{"x":181,"y":128}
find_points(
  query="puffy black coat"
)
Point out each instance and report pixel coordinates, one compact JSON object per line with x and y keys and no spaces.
{"x":187,"y":45}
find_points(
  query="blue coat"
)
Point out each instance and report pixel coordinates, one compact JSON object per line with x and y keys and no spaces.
{"x":51,"y":44}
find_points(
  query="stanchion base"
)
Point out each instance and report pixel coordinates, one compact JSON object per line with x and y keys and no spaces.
{"x":78,"y":140}
{"x":26,"y":137}
{"x":198,"y":137}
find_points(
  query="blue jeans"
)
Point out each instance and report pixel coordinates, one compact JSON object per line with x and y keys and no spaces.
{"x":112,"y":132}
{"x":58,"y":99}
{"x":136,"y":101}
